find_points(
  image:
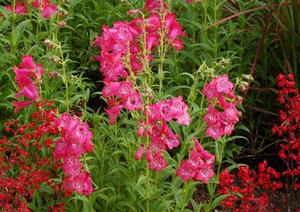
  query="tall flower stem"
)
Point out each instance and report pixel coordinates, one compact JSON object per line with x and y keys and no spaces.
{"x":65,"y":77}
{"x":13,"y":32}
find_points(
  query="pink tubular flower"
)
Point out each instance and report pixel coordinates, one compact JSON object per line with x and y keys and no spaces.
{"x":170,"y":109}
{"x":28,"y":75}
{"x":220,"y":122}
{"x":19,"y":9}
{"x":81,"y":184}
{"x":157,"y":162}
{"x":155,"y":6}
{"x":75,"y":141}
{"x":198,"y":167}
{"x":71,"y":165}
{"x":139,"y":153}
{"x":47,"y":8}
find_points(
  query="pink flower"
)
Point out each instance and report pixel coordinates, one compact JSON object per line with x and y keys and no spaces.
{"x":212,"y":116}
{"x":83,"y":134}
{"x":113,"y":113}
{"x":81,"y":184}
{"x":198,"y":167}
{"x":19,"y":9}
{"x":220,"y":122}
{"x":215,"y":131}
{"x":185,"y":171}
{"x":21,"y":105}
{"x":139,"y":153}
{"x":134,"y":101}
{"x":71,"y":165}
{"x":154,"y":5}
{"x":28,"y":75}
{"x":60,"y":149}
{"x":205,"y":174}
{"x":157,"y":162}
{"x":47,"y":8}
{"x":29,"y":91}
{"x":170,"y":109}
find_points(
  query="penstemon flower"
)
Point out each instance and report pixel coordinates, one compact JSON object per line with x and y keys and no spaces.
{"x":220,"y":121}
{"x":199,"y":166}
{"x":19,"y":9}
{"x":46,"y":7}
{"x":123,"y":57}
{"x":75,"y":141}
{"x":28,"y":77}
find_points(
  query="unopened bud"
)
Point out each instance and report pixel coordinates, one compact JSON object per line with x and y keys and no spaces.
{"x":62,"y":24}
{"x":54,"y":59}
{"x":242,"y":88}
{"x":53,"y":74}
{"x":50,"y":44}
{"x":132,"y":12}
{"x":240,"y":114}
{"x":239,"y":100}
{"x":62,"y":12}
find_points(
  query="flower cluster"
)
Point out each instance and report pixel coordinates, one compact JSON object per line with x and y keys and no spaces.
{"x":156,"y":128}
{"x":162,"y":26}
{"x":74,"y":142}
{"x":122,"y":55}
{"x":289,"y":127}
{"x":24,"y":158}
{"x":199,"y":166}
{"x":46,"y":8}
{"x":125,"y":51}
{"x":28,"y":77}
{"x":19,"y":8}
{"x":222,"y":115}
{"x":249,"y":190}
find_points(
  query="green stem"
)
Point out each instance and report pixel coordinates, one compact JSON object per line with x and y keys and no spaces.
{"x":65,"y":78}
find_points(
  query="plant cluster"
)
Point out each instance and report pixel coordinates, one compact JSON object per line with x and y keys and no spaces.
{"x":160,"y":124}
{"x":248,"y":190}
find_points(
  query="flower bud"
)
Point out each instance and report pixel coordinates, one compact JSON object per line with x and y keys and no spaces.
{"x":139,"y":153}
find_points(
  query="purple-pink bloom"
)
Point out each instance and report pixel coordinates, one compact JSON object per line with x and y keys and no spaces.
{"x":81,"y":184}
{"x":19,"y":8}
{"x":198,"y":167}
{"x":71,"y":165}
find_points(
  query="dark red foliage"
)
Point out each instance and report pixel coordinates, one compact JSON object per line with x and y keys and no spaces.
{"x":289,"y":126}
{"x":248,"y":190}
